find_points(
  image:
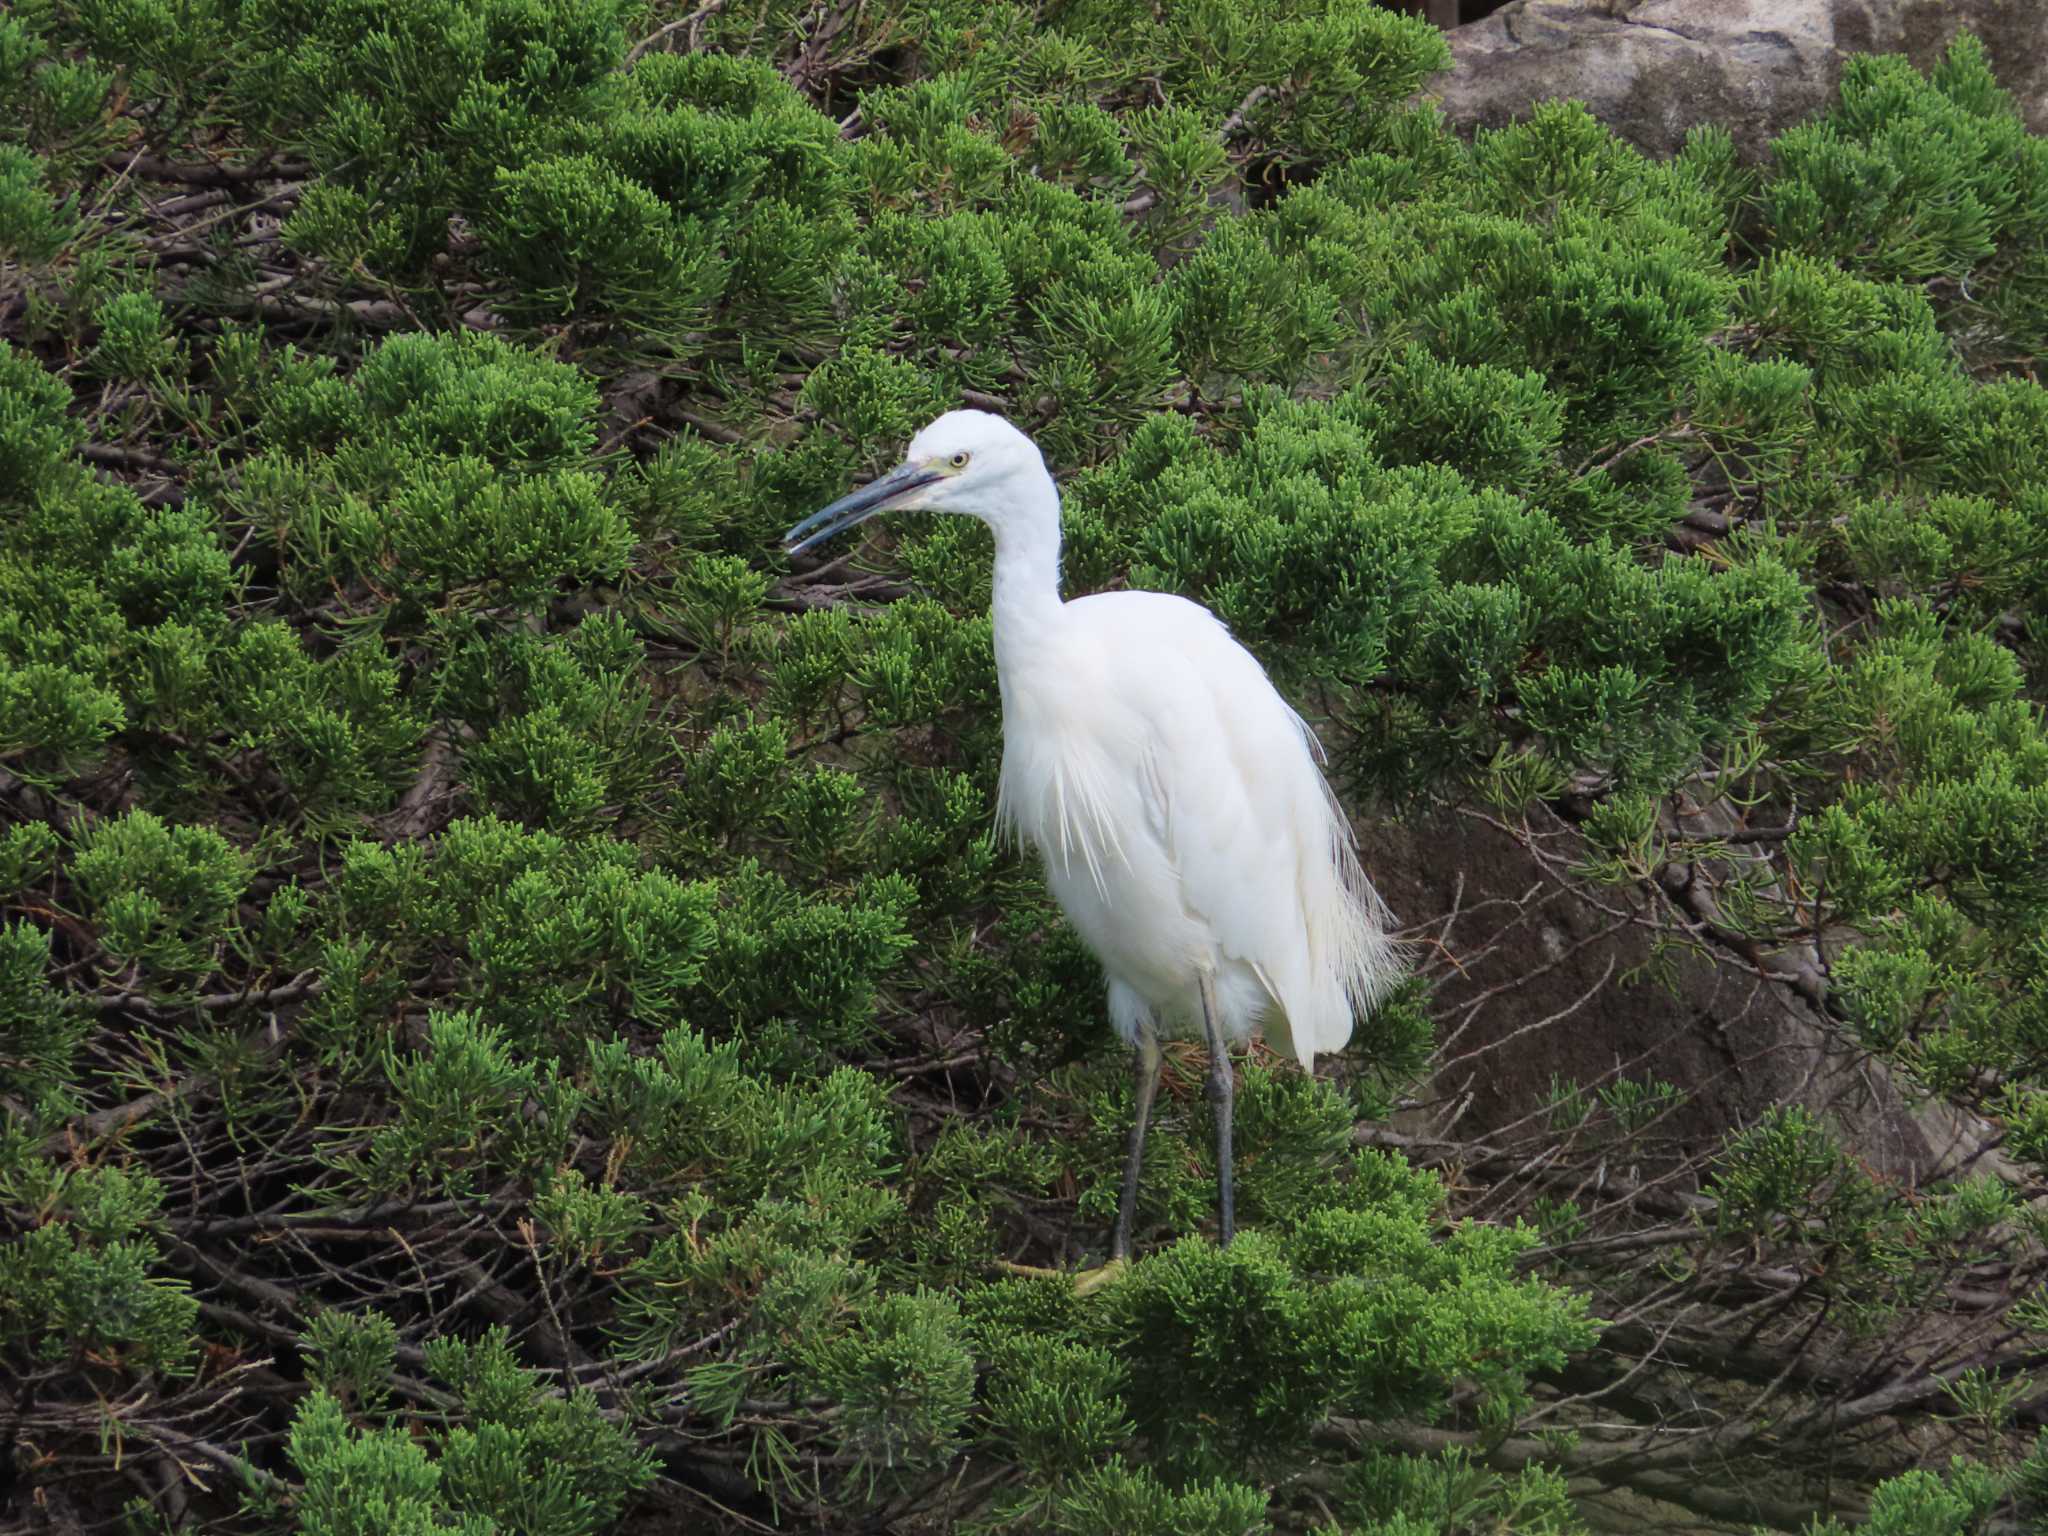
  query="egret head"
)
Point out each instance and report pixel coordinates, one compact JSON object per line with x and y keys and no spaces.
{"x":966,"y":461}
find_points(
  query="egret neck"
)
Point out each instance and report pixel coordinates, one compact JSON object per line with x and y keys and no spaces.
{"x":1026,"y":603}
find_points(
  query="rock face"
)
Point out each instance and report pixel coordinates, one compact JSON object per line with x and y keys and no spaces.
{"x":1650,"y":69}
{"x":1539,"y":980}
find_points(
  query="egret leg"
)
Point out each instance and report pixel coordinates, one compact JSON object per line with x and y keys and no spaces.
{"x":1220,"y":1090}
{"x":1145,"y":1064}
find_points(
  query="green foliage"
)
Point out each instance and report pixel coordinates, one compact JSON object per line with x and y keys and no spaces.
{"x":523,"y":1458}
{"x":1494,"y":619}
{"x":39,"y":1037}
{"x":449,"y":472}
{"x":34,"y":225}
{"x":358,"y":1482}
{"x":161,"y":894}
{"x":1233,"y":1359}
{"x":82,"y":1281}
{"x":581,"y":245}
{"x":531,"y":1460}
{"x":1114,"y":1497}
{"x":1922,"y":179}
{"x":502,"y":981}
{"x":1927,"y":1503}
{"x":1386,"y":1494}
{"x":903,"y":1380}
{"x":35,"y":433}
{"x":1777,"y":1169}
{"x":554,"y":933}
{"x":351,"y":1355}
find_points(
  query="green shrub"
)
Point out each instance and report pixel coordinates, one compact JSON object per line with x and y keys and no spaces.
{"x":513,"y":1013}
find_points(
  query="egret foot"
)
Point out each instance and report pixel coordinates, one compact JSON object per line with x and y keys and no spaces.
{"x":1086,"y":1281}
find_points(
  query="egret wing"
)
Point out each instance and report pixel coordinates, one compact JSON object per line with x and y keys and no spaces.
{"x":1232,"y":790}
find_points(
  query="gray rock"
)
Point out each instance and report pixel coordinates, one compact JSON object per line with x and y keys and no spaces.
{"x":1541,"y":979}
{"x":1650,"y":69}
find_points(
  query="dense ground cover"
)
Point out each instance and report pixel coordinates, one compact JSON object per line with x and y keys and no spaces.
{"x":512,"y":1015}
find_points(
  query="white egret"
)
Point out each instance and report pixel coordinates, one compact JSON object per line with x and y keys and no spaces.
{"x":1173,"y":795}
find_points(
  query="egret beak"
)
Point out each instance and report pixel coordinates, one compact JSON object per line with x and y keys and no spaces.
{"x":859,"y":506}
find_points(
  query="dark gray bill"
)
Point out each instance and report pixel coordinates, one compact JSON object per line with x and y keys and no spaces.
{"x":857,"y":507}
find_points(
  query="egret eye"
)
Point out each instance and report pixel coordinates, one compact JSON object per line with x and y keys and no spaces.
{"x":958,"y":461}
